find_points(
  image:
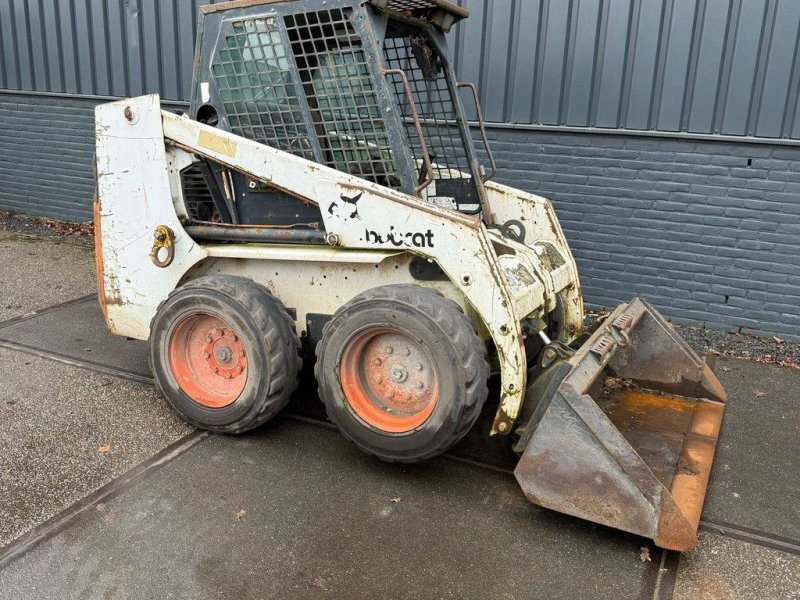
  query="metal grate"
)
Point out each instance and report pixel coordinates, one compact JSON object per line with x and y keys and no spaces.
{"x":434,"y":100}
{"x":255,"y":81}
{"x":337,"y":81}
{"x":197,"y":196}
{"x":410,"y":5}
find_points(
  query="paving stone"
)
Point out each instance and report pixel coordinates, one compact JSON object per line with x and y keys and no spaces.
{"x":727,"y":569}
{"x":54,"y":419}
{"x":38,"y":272}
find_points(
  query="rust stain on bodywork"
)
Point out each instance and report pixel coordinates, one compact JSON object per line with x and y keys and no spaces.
{"x":98,"y":259}
{"x":107,"y":295}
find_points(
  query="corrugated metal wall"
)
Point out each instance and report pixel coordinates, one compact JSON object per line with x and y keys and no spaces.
{"x":98,"y":47}
{"x":702,"y":66}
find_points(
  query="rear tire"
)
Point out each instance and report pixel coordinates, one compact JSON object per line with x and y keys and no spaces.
{"x":402,"y":372}
{"x":224,"y":353}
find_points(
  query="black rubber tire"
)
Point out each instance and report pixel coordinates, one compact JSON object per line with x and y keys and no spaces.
{"x":267,"y":332}
{"x":441,"y":326}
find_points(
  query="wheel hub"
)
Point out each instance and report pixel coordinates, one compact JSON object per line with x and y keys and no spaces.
{"x":389,"y":380}
{"x":399,"y":374}
{"x":224,"y":352}
{"x":208,"y":360}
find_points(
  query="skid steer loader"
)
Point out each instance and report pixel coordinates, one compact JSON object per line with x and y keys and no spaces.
{"x":325,"y":193}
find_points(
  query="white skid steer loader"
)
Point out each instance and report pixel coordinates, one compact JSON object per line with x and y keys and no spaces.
{"x":324,"y":193}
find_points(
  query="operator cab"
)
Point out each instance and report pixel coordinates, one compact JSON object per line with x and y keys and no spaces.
{"x":363,"y":87}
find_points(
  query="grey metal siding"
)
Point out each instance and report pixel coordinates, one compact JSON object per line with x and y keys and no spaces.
{"x":98,"y":47}
{"x":702,"y":66}
{"x":707,"y":229}
{"x":727,"y":67}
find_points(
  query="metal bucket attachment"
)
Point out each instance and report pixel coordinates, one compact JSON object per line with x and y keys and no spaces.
{"x":624,"y":432}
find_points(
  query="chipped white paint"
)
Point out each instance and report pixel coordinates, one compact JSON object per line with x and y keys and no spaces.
{"x":317,"y":286}
{"x":542,"y":231}
{"x":134,"y":193}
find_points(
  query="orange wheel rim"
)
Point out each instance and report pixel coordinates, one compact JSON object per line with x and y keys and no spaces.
{"x":208,"y":360}
{"x":389,"y":380}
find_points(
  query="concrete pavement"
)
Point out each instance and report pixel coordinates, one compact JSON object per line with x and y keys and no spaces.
{"x":38,"y":272}
{"x":65,"y":432}
{"x":295,"y":511}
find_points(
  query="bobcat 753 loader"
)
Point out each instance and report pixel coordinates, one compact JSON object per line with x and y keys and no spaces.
{"x":324,"y":193}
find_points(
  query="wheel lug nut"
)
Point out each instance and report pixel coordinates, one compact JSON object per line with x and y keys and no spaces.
{"x":421,"y":385}
{"x":378,"y":361}
{"x":389,"y":349}
{"x":241,"y":369}
{"x":378,"y":379}
{"x":407,"y":352}
{"x":207,"y":354}
{"x":216,"y":370}
{"x":419,"y":366}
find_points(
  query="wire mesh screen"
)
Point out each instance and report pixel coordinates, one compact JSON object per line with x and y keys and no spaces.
{"x":338,"y":86}
{"x":418,"y":60}
{"x":255,"y":81}
{"x":401,"y":6}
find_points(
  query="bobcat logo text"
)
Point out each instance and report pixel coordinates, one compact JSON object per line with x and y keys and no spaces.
{"x":396,"y":238}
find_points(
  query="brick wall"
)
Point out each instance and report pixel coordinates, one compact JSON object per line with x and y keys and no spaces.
{"x":46,"y":154}
{"x":708,"y":231}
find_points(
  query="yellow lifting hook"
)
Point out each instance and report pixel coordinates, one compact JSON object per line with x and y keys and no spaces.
{"x":164,"y":238}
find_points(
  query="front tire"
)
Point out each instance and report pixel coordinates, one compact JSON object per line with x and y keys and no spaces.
{"x":224,"y":353}
{"x":402,"y":372}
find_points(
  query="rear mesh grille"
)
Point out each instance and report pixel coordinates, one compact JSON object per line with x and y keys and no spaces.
{"x":196,"y":194}
{"x":435,"y":106}
{"x":410,"y":5}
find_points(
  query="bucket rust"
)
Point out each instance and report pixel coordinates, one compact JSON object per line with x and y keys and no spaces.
{"x":628,"y":437}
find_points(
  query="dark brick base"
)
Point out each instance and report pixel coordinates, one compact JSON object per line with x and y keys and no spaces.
{"x":47,"y":150}
{"x":708,"y":231}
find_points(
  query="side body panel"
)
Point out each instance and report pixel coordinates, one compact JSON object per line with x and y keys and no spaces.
{"x":314,"y":282}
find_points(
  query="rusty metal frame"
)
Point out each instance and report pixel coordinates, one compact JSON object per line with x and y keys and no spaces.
{"x":482,"y":126}
{"x":426,"y":157}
